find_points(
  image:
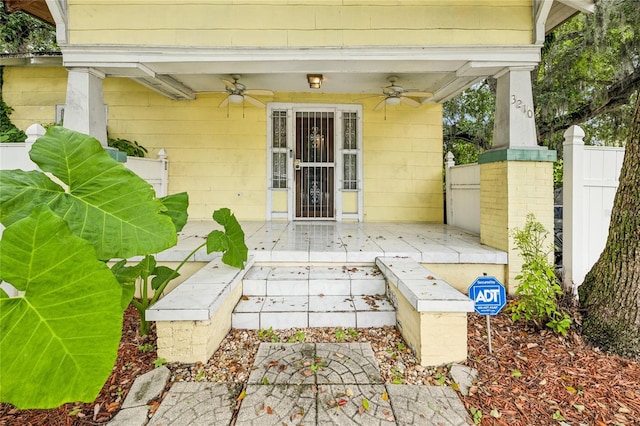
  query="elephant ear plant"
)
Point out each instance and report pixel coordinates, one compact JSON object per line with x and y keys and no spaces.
{"x":59,"y":336}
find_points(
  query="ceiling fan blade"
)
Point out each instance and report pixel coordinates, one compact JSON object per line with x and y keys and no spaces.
{"x":254,"y":101}
{"x":229,"y":84}
{"x":224,"y":103}
{"x":380,"y":104}
{"x":259,"y":92}
{"x":417,"y":94}
{"x":410,"y":102}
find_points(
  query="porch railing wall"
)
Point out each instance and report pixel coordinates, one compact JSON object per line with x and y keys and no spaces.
{"x":590,"y":182}
{"x":463,"y":195}
{"x":154,"y":171}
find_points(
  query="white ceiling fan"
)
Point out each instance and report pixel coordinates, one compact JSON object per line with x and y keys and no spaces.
{"x":238,"y":92}
{"x":394,"y":95}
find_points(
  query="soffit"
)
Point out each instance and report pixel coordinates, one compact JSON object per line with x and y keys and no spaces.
{"x":36,"y":8}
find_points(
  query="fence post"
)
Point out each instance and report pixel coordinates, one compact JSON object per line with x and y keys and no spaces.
{"x":33,"y":133}
{"x":164,"y":183}
{"x":573,"y":217}
{"x":448,"y":188}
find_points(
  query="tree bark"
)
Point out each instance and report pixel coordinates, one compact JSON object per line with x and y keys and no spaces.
{"x":610,"y":294}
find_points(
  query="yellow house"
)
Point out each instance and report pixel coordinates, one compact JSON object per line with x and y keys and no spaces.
{"x":325,"y":110}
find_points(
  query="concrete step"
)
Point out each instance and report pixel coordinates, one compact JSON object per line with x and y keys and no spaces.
{"x":313,"y":296}
{"x":313,"y":280}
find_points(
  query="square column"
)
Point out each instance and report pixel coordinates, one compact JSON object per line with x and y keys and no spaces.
{"x":85,"y":110}
{"x":516,"y":176}
{"x":510,"y":188}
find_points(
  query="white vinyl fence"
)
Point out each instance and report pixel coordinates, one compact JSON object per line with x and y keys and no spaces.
{"x":463,"y":195}
{"x":590,"y":182}
{"x":154,"y":171}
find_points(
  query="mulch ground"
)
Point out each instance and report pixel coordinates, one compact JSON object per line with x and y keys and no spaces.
{"x":531,"y":378}
{"x":540,"y":378}
{"x":135,"y":357}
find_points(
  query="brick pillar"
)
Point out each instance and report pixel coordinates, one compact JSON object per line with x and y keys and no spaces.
{"x":516,"y":176}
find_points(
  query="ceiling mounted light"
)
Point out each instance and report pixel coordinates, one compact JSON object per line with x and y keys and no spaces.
{"x":235,"y":98}
{"x":393,"y":100}
{"x":315,"y":80}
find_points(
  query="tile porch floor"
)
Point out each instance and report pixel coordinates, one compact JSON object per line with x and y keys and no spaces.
{"x":336,"y":242}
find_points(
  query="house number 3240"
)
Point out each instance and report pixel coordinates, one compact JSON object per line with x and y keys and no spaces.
{"x":522,"y":106}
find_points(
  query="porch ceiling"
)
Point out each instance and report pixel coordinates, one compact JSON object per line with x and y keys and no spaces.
{"x":183,"y":73}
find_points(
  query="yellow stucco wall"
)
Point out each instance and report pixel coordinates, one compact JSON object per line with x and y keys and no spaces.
{"x":509,"y":190}
{"x":219,"y":155}
{"x":300,"y":23}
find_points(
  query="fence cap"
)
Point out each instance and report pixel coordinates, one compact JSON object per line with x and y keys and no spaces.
{"x":574,"y":132}
{"x":34,"y":132}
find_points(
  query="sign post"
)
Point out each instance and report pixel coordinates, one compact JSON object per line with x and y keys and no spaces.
{"x":489,"y":297}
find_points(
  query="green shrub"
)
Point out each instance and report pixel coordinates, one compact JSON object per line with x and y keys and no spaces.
{"x":539,"y":288}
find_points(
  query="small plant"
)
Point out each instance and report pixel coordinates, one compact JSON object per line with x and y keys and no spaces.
{"x":201,"y":375}
{"x":298,"y":337}
{"x":539,"y":288}
{"x":396,"y":376}
{"x":132,"y":148}
{"x":353,"y":333}
{"x":159,"y":362}
{"x":476,"y":415}
{"x":268,"y":335}
{"x":401,"y":346}
{"x":147,"y":347}
{"x":440,"y":379}
{"x":340,"y":334}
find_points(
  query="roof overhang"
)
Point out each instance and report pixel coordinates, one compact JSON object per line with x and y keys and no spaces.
{"x":180,"y":73}
{"x":36,"y":8}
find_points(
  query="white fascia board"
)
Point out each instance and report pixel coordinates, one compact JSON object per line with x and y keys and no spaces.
{"x":301,"y":59}
{"x":584,"y":6}
{"x":541,"y":13}
{"x":58,"y":9}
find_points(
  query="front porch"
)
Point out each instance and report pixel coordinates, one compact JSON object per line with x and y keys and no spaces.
{"x":319,"y":274}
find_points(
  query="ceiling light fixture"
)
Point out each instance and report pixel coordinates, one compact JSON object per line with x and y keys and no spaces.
{"x":235,"y":98}
{"x":393,"y":100}
{"x":315,"y":80}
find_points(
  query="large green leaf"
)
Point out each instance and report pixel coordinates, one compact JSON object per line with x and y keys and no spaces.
{"x":59,"y":338}
{"x":104,"y":203}
{"x":231,"y":242}
{"x":176,"y":205}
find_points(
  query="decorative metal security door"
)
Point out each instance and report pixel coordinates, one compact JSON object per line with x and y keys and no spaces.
{"x":314,"y":165}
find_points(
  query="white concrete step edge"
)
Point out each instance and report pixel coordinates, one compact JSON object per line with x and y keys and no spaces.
{"x":200,"y":295}
{"x":422,"y":288}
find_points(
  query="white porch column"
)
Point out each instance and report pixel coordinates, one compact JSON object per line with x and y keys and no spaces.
{"x":515,"y":124}
{"x":84,"y":110}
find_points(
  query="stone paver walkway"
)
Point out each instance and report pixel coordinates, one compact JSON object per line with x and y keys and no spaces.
{"x":311,"y":384}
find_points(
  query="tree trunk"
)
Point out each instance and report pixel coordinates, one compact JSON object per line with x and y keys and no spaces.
{"x":610,"y":294}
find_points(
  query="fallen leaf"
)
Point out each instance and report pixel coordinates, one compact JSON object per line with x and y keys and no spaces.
{"x":386,"y":412}
{"x":269,"y":410}
{"x":349,"y":392}
{"x":339,"y":355}
{"x":241,"y":396}
{"x":365,"y":404}
{"x":307,"y":373}
{"x":495,"y":413}
{"x":385,"y":396}
{"x":342,"y":402}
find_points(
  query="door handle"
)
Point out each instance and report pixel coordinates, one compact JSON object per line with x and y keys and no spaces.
{"x":296,"y":164}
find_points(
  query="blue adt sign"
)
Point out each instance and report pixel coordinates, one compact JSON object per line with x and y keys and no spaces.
{"x":488,"y":295}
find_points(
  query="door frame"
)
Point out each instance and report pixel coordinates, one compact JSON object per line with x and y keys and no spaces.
{"x":339,"y":191}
